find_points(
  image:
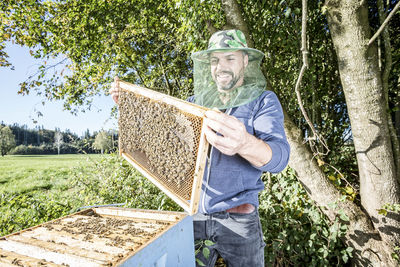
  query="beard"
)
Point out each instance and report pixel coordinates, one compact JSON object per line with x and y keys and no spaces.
{"x":231,"y":84}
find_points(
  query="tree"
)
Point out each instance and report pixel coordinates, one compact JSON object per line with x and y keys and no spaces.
{"x":102,"y":142}
{"x":349,"y":90}
{"x":7,"y":140}
{"x":58,"y":140}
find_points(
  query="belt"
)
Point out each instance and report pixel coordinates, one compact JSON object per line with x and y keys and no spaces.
{"x":244,"y":208}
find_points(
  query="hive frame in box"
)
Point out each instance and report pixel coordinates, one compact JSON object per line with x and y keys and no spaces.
{"x":62,"y":242}
{"x":189,"y":205}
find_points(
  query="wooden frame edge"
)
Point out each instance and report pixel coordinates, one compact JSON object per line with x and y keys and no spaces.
{"x":199,"y":171}
{"x":183,"y":203}
{"x":178,"y":103}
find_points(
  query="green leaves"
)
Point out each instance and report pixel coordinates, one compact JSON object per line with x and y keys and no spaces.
{"x":7,"y":140}
{"x":200,"y":263}
{"x":103,"y":141}
{"x":206,"y":252}
{"x":203,"y":247}
{"x":295,"y":231}
{"x":394,"y":208}
{"x":287,"y":12}
{"x":22,"y":211}
{"x":208,"y":243}
{"x":343,"y":216}
{"x":99,"y":40}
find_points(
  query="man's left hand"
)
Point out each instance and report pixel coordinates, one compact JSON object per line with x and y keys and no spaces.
{"x":233,"y":135}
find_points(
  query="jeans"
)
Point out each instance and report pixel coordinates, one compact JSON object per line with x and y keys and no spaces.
{"x":237,"y":238}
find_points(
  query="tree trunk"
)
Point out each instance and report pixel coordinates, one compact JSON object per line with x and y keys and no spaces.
{"x":397,"y":126}
{"x":397,"y":135}
{"x":369,"y":249}
{"x":362,"y":85}
{"x":385,"y":83}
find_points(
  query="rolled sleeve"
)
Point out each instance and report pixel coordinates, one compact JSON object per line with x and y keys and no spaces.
{"x":268,"y":126}
{"x":280,"y":157}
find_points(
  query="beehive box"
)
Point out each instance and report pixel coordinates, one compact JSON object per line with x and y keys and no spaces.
{"x":163,"y":138}
{"x":104,"y":237}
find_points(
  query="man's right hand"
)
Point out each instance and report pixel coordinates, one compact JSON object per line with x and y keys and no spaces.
{"x":114,"y":91}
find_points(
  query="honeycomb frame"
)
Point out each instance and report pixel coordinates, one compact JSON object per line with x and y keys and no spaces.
{"x":187,"y":148}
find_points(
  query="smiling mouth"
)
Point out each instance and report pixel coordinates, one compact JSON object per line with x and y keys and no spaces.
{"x":224,"y":76}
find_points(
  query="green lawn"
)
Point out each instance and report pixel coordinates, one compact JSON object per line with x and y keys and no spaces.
{"x":38,"y":188}
{"x":24,"y":173}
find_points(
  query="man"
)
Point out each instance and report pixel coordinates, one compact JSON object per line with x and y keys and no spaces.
{"x":247,"y":137}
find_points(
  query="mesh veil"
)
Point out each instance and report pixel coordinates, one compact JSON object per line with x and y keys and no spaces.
{"x":205,"y":88}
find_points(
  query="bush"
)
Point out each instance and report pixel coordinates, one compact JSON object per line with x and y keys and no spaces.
{"x":22,"y":211}
{"x":44,"y":149}
{"x":113,"y":180}
{"x":67,"y":148}
{"x":296,"y":232}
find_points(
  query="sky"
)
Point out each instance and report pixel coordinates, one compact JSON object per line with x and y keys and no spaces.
{"x":20,"y":109}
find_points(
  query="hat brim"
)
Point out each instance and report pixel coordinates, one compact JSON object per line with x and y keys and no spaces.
{"x":254,"y":54}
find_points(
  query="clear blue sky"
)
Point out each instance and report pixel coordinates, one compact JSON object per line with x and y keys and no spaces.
{"x":20,"y":109}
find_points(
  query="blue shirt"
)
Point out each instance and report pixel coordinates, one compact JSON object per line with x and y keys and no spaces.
{"x":230,"y":181}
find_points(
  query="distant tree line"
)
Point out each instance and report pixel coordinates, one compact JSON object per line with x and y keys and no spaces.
{"x":21,"y":140}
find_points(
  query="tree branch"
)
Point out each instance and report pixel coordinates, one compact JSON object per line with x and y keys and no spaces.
{"x":303,"y":69}
{"x":397,"y":6}
{"x":177,"y":84}
{"x":169,"y":88}
{"x":135,"y":68}
{"x":46,"y":69}
{"x":385,"y":83}
{"x":210,"y":27}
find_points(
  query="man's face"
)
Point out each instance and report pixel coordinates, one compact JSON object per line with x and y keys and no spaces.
{"x":227,"y":69}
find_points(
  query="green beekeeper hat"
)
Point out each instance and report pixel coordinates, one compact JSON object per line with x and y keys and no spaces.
{"x":228,"y":40}
{"x":206,"y":91}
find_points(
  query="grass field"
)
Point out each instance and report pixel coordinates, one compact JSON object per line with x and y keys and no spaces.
{"x":38,"y":188}
{"x":24,"y":173}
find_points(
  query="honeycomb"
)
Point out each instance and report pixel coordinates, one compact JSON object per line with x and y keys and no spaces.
{"x":93,"y":237}
{"x":162,"y":138}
